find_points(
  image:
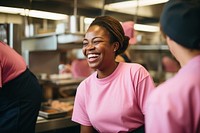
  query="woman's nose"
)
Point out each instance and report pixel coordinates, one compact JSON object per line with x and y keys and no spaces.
{"x":90,"y":46}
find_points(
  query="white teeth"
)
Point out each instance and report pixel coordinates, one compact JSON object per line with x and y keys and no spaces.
{"x":92,"y":55}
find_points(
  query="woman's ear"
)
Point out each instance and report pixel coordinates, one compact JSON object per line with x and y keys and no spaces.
{"x":116,"y":46}
{"x":169,"y":40}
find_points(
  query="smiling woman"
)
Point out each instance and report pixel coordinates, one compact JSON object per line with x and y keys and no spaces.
{"x":98,"y":49}
{"x":117,"y":90}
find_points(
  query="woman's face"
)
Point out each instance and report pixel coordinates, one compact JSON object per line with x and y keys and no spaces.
{"x":100,"y":53}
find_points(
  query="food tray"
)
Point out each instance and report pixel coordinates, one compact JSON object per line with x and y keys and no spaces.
{"x":49,"y":113}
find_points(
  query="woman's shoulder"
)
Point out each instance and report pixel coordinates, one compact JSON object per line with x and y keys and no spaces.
{"x":131,"y":65}
{"x":134,"y":68}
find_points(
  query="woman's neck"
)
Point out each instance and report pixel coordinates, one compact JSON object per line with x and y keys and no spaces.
{"x":107,"y":71}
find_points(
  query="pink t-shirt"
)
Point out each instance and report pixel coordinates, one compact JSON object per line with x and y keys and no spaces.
{"x":11,"y":64}
{"x":115,"y":103}
{"x":80,"y":68}
{"x":174,"y":106}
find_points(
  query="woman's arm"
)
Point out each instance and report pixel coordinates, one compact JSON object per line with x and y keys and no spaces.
{"x":87,"y":129}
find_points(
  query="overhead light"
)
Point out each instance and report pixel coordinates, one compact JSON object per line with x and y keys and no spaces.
{"x":137,"y":27}
{"x":88,"y":20}
{"x":146,"y":28}
{"x":11,"y":10}
{"x":45,"y":15}
{"x":33,"y":13}
{"x":133,"y":3}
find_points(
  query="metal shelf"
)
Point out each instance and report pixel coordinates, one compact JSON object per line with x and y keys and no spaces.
{"x":149,"y":47}
{"x":53,"y":34}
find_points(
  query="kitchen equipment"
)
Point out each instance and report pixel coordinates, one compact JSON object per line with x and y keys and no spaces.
{"x":49,"y":112}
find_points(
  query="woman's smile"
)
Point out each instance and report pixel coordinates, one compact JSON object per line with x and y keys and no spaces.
{"x":92,"y":57}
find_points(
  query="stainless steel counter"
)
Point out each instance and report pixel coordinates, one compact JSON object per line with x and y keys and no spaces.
{"x":54,"y":124}
{"x":52,"y":89}
{"x":61,"y":82}
{"x":43,"y":124}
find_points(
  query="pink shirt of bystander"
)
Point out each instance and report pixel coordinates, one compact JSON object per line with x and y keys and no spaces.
{"x":174,"y":106}
{"x":10,"y":68}
{"x":80,"y":68}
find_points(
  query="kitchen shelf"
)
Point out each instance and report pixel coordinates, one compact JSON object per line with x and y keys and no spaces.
{"x":52,"y":34}
{"x":149,"y":47}
{"x":52,"y":41}
{"x":151,"y":57}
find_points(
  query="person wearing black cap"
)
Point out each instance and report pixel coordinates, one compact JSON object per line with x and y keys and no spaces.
{"x":174,"y":106}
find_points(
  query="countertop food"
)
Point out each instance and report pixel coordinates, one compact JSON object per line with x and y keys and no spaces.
{"x":50,"y":113}
{"x":56,"y":108}
{"x":55,"y":114}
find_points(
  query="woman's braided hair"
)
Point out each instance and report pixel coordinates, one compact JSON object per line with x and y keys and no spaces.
{"x":115,"y":30}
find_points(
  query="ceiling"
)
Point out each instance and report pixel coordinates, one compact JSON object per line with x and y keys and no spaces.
{"x":89,"y":8}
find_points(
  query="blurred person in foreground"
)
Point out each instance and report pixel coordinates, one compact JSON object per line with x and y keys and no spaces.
{"x":112,"y":98}
{"x":174,"y":106}
{"x":20,"y":93}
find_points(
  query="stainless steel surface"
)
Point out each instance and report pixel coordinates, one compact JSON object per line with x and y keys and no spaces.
{"x":8,"y":35}
{"x":149,"y":47}
{"x":41,"y":52}
{"x":53,"y":124}
{"x":52,"y":89}
{"x":43,"y":61}
{"x":37,"y":43}
{"x":60,"y":83}
{"x":50,"y":113}
{"x":89,"y":8}
{"x":70,"y":38}
{"x":76,"y":24}
{"x":56,"y":121}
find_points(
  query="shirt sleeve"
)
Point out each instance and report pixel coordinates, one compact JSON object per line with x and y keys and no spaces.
{"x":79,"y":114}
{"x":144,"y":87}
{"x":155,"y":116}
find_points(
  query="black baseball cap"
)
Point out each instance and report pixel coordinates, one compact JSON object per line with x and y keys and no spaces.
{"x":180,"y":20}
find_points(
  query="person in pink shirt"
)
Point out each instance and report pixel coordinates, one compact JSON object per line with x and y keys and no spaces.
{"x":174,"y":106}
{"x":128,"y":28}
{"x":112,"y":99}
{"x":20,"y":93}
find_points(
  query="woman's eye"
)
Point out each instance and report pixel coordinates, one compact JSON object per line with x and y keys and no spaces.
{"x":96,"y":42}
{"x":85,"y":43}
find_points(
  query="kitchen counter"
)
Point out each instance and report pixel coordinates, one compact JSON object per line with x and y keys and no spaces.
{"x":53,"y":89}
{"x":54,"y":124}
{"x":60,"y":82}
